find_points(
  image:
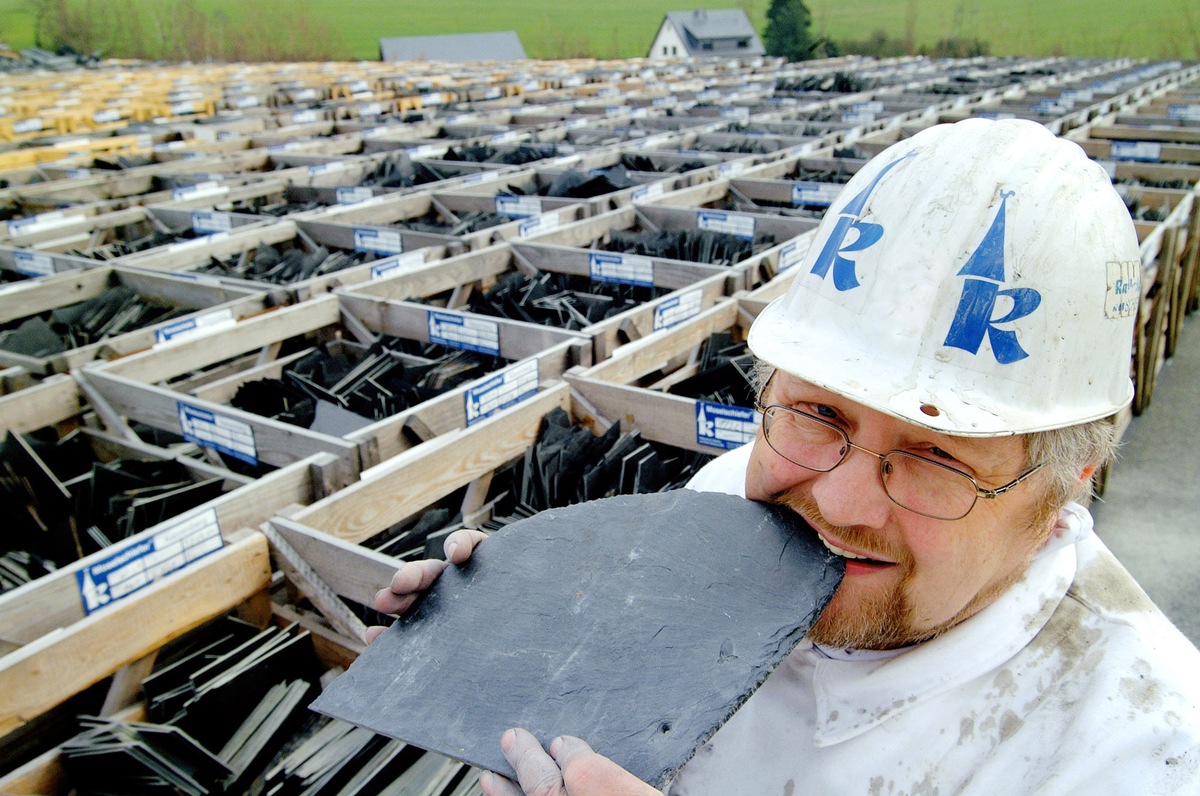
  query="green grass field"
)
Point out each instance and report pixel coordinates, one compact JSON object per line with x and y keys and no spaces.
{"x":625,"y":28}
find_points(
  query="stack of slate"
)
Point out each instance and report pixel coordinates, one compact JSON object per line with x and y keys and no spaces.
{"x":563,"y":301}
{"x":113,"y":312}
{"x":691,"y":245}
{"x":283,"y":266}
{"x":64,"y":505}
{"x":338,"y":391}
{"x":515,"y":156}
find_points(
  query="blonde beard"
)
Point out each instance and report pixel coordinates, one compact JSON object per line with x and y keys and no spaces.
{"x":885,"y":621}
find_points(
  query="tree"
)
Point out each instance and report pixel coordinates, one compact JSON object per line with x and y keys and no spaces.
{"x":787,"y":31}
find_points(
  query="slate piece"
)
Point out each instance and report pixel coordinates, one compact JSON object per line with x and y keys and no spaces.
{"x":638,"y":623}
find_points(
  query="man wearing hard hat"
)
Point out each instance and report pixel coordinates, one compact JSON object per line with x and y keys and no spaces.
{"x":936,"y":388}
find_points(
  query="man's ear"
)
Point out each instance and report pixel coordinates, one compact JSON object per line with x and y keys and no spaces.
{"x":1087,"y":472}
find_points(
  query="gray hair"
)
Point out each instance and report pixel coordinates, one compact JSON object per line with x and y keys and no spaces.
{"x":1064,"y":453}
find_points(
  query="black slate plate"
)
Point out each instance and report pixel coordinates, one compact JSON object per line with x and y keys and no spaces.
{"x":638,"y":623}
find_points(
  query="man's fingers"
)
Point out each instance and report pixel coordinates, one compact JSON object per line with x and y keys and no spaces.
{"x":374,"y":632}
{"x":409,"y":581}
{"x":537,"y":773}
{"x":496,"y":785}
{"x":586,"y":773}
{"x":460,"y":544}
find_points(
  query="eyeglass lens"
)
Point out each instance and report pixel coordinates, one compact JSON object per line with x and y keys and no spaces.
{"x":915,"y":483}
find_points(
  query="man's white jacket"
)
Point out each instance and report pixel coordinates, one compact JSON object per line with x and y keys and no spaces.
{"x":1072,"y":682}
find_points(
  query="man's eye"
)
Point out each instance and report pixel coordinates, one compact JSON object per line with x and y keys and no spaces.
{"x":825,"y":411}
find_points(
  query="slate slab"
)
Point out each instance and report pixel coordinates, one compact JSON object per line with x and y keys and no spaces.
{"x":638,"y":623}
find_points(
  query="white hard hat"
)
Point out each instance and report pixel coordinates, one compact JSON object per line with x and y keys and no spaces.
{"x":979,"y":279}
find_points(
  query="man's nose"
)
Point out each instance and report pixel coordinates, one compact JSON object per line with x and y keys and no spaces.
{"x":852,"y":493}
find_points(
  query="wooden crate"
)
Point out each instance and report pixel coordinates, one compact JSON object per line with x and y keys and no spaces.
{"x":450,"y":282}
{"x":54,"y":648}
{"x":398,"y":250}
{"x":387,"y":211}
{"x":215,"y":306}
{"x":200,"y":375}
{"x":28,"y":268}
{"x":612,"y":387}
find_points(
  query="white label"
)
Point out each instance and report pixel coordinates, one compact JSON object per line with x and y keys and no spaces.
{"x":857,"y":117}
{"x":500,"y":392}
{"x":42,"y":221}
{"x":1187,"y":113}
{"x":103,"y":117}
{"x":871,"y":106}
{"x":648,"y":193}
{"x":360,"y":85}
{"x":789,"y":255}
{"x":506,"y":137}
{"x":538,"y":224}
{"x":305,"y":117}
{"x":290,"y":146}
{"x":1077,"y":95}
{"x":677,"y":309}
{"x":27,"y":126}
{"x":135,"y":564}
{"x":199,"y":190}
{"x":327,"y":168}
{"x":373,"y":132}
{"x":205,"y":221}
{"x":377,"y":240}
{"x":460,"y":331}
{"x":183,"y":108}
{"x":194,"y":327}
{"x":218,"y":432}
{"x":246,"y":102}
{"x":571,"y":124}
{"x":348,"y":196}
{"x":721,"y":426}
{"x":482,"y":176}
{"x":518,"y":206}
{"x":423,"y":151}
{"x":196,"y":243}
{"x":390,"y":266}
{"x":732,"y":168}
{"x":624,"y":269}
{"x":814,"y":194}
{"x":492,"y":93}
{"x":1144,"y":151}
{"x":431,"y":99}
{"x":370,"y":109}
{"x":33,"y":263}
{"x":740,"y":112}
{"x":304,"y":94}
{"x":1124,"y":289}
{"x":729,"y":223}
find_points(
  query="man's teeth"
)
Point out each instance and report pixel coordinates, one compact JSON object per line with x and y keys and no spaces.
{"x":839,"y":551}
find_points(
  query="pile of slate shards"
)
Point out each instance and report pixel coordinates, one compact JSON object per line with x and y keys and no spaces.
{"x":724,"y":373}
{"x":62,"y":504}
{"x":575,"y":184}
{"x":115,"y":311}
{"x":691,"y":245}
{"x":130,"y":239}
{"x":510,"y":156}
{"x":228,"y":714}
{"x":280,"y":265}
{"x":446,"y":223}
{"x":564,"y":301}
{"x":339,"y":387}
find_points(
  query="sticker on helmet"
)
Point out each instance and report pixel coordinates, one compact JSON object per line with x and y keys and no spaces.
{"x":981,"y":290}
{"x":1124,"y":289}
{"x":844,"y":277}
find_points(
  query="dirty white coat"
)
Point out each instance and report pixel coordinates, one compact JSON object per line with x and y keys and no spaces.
{"x":1072,"y":682}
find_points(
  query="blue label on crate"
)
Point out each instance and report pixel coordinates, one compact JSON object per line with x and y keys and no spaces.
{"x":511,"y":387}
{"x":459,"y":331}
{"x":206,"y":221}
{"x":1141,"y":151}
{"x":33,"y":263}
{"x":677,"y":309}
{"x":729,"y":223}
{"x":346,"y":195}
{"x":814,"y":194}
{"x":721,"y":426}
{"x":130,"y":566}
{"x":790,"y":254}
{"x":623,"y":269}
{"x":384,"y":241}
{"x":190,"y":327}
{"x":218,"y":432}
{"x":1187,"y":113}
{"x":518,"y":206}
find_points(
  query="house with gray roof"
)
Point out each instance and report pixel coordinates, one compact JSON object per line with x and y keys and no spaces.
{"x":502,"y":45}
{"x":707,"y":33}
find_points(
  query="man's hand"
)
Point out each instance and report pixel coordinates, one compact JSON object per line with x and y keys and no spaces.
{"x":415,"y":577}
{"x":571,"y":769}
